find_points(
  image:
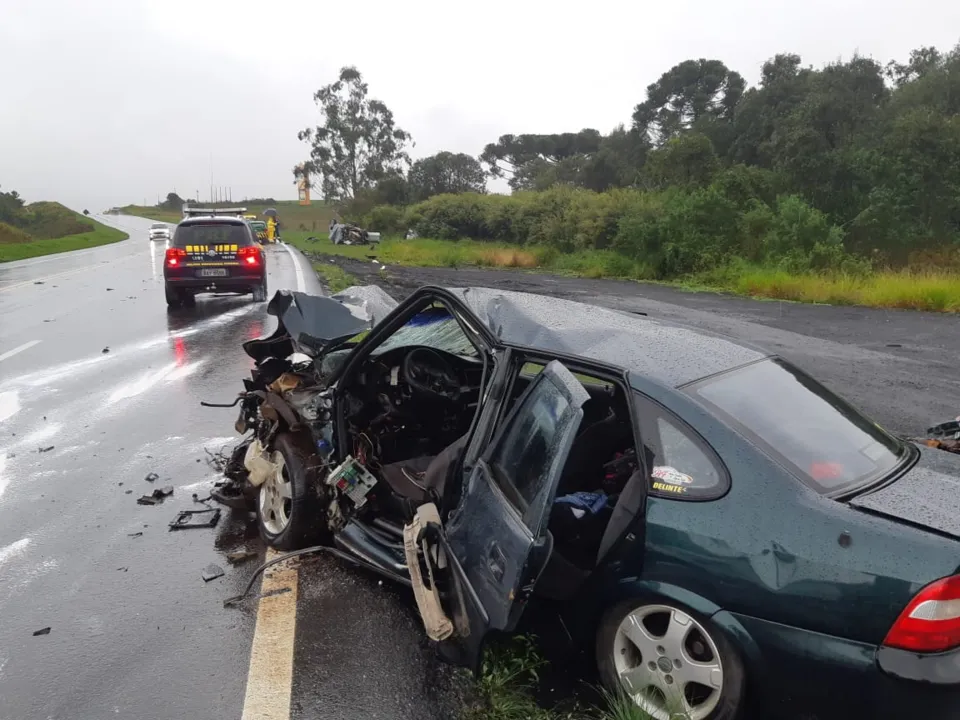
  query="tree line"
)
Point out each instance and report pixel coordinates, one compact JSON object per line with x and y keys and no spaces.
{"x":856,"y":162}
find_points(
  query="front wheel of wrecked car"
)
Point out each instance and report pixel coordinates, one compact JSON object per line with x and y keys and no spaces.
{"x":288,"y":512}
{"x":670,"y":662}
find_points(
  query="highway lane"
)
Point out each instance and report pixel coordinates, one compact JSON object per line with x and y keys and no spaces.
{"x":100,"y":372}
{"x":93,"y":366}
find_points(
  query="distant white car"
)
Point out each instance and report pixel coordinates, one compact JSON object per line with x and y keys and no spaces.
{"x":159,"y":231}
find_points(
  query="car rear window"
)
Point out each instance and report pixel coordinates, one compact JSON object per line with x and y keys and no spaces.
{"x":212,"y":233}
{"x":821,"y":438}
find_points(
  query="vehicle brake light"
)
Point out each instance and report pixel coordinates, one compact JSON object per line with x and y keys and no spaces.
{"x":249,"y":255}
{"x":931,"y":622}
{"x":174,"y":256}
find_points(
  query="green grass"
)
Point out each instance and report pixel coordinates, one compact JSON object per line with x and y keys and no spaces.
{"x":313,"y":219}
{"x":99,"y":235}
{"x":334,"y":276}
{"x":913,"y":289}
{"x":508,"y":680}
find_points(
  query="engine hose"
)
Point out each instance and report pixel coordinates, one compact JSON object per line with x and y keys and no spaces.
{"x":306,"y":551}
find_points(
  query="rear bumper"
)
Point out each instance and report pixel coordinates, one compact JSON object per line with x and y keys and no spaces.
{"x":235,"y":283}
{"x":806,"y":673}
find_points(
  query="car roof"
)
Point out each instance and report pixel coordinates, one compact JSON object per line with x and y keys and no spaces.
{"x":207,"y":219}
{"x":668,"y":353}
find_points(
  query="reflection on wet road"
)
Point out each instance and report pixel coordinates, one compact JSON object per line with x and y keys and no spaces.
{"x":99,"y":386}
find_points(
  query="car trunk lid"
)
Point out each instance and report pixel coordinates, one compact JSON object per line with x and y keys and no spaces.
{"x":927,"y":496}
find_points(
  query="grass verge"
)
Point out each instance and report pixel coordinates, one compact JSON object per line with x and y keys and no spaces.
{"x":100,"y":235}
{"x":911,"y":289}
{"x":508,"y":681}
{"x":334,"y":276}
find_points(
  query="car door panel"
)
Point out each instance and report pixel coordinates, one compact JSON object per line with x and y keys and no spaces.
{"x":497,"y":536}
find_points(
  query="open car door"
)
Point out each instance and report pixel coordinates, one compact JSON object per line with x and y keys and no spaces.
{"x":495,"y":544}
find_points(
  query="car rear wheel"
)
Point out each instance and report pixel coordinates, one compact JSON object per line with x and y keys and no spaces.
{"x":670,"y":662}
{"x":174,"y":299}
{"x":288,"y":512}
{"x":260,"y":292}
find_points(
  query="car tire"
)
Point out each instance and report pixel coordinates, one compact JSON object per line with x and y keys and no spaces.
{"x":187,"y":298}
{"x":260,"y":292}
{"x":174,"y":298}
{"x":288,"y":509}
{"x":705,"y":646}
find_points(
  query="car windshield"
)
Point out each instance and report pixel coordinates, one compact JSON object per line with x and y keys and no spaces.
{"x":433,"y":327}
{"x":821,"y":438}
{"x":158,"y":226}
{"x":212,"y":233}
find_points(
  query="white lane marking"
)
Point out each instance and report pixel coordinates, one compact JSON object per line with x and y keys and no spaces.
{"x":4,"y":480}
{"x":301,"y":284}
{"x":13,"y":549}
{"x":44,"y":279}
{"x":17,"y":350}
{"x":9,"y":404}
{"x":270,"y":678}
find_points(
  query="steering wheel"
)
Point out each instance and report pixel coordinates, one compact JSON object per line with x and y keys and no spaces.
{"x":429,"y":373}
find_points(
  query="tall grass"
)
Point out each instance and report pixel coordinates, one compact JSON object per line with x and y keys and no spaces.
{"x":904,"y":289}
{"x":911,"y":288}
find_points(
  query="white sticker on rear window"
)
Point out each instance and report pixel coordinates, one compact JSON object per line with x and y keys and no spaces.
{"x":672,"y":476}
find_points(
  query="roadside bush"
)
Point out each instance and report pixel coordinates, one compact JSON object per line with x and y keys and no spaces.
{"x":688,"y":232}
{"x":45,"y":220}
{"x":10,"y":234}
{"x":385,"y":219}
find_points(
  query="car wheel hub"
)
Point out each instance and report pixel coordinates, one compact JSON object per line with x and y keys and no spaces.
{"x":276,"y":498}
{"x":668,"y":663}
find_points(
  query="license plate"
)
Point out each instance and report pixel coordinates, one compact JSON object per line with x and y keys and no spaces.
{"x":212,"y":272}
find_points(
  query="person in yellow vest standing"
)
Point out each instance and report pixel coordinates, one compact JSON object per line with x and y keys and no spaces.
{"x":271,"y":229}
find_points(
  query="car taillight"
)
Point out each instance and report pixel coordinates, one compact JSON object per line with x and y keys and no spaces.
{"x":249,"y":255}
{"x":174,"y":256}
{"x":931,"y":622}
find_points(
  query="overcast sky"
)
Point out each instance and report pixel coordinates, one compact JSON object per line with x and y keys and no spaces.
{"x":108,"y":102}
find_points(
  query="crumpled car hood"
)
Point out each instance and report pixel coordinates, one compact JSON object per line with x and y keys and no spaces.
{"x":927,"y":496}
{"x":317,"y":321}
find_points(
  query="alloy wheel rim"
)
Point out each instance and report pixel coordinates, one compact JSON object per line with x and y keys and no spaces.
{"x":667,"y":663}
{"x":276,"y":498}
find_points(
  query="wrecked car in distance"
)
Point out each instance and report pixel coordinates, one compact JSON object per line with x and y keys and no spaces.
{"x":718,"y":526}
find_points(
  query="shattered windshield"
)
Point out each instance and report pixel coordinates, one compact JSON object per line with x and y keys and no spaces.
{"x":826,"y":442}
{"x":433,"y":327}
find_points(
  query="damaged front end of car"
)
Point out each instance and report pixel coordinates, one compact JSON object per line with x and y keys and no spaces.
{"x":286,"y":390}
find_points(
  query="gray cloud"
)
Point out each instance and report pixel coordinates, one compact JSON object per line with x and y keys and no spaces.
{"x":109,"y":102}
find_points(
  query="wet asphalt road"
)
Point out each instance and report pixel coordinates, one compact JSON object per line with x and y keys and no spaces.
{"x":134,"y":630}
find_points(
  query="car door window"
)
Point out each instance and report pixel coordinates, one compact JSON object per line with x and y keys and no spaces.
{"x":683,"y":465}
{"x":526,"y":458}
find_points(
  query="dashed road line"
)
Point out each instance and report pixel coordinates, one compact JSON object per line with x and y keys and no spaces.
{"x":17,"y":350}
{"x":270,"y":677}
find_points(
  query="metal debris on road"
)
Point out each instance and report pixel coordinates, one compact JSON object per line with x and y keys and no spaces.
{"x":45,"y":449}
{"x":240,"y":556}
{"x":188,"y":519}
{"x":211,"y":572}
{"x":156,"y":497}
{"x":105,"y":350}
{"x":151,"y":477}
{"x":41,"y":631}
{"x":136,"y":534}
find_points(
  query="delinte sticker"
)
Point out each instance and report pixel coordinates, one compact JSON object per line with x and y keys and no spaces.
{"x":678,"y":489}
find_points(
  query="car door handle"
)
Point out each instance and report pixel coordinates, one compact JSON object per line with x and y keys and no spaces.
{"x":496,"y":562}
